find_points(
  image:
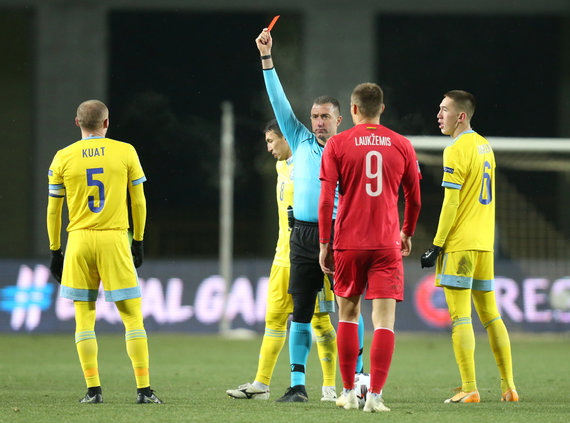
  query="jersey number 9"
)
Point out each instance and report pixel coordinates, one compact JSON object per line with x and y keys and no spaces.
{"x":373,"y":170}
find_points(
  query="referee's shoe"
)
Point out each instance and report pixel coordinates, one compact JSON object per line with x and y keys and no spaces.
{"x":295,"y":393}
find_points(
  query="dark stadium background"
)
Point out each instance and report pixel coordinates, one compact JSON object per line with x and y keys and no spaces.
{"x":169,"y":72}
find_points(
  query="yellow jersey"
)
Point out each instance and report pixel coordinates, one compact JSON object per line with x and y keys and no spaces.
{"x":94,"y":172}
{"x":284,"y":192}
{"x":469,"y":166}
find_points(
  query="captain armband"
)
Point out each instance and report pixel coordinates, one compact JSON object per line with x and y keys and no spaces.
{"x":56,"y":190}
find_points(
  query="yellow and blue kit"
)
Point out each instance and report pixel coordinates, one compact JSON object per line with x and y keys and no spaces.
{"x":466,"y":229}
{"x":94,"y":174}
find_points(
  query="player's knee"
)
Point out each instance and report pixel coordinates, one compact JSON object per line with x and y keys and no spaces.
{"x":84,"y":316}
{"x":131,"y":314}
{"x":276,"y":321}
{"x":321,"y":324}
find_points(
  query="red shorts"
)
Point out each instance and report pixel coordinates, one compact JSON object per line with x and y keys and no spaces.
{"x":379,"y":272}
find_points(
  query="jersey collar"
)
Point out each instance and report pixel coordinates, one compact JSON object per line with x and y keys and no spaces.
{"x":468,"y":131}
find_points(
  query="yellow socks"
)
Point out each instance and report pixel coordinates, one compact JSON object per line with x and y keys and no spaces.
{"x":271,"y":346}
{"x":86,"y":341}
{"x":459,"y":303}
{"x":326,"y":346}
{"x":463,"y":338}
{"x":486,"y":307}
{"x":136,"y":340}
{"x":276,"y":335}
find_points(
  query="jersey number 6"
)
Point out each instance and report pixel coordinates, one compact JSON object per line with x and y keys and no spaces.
{"x":95,"y":183}
{"x":486,"y":186}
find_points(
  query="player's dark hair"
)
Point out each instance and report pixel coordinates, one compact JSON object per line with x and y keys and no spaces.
{"x":326,"y":99}
{"x":464,"y":101}
{"x":272,"y":125}
{"x":91,"y":114}
{"x":369,"y":97}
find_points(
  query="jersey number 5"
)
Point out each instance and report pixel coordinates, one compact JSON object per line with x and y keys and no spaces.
{"x":95,"y":183}
{"x":373,"y":168}
{"x":486,"y":186}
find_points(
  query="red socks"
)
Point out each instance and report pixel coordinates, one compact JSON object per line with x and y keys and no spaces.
{"x":348,"y":348}
{"x":380,"y":358}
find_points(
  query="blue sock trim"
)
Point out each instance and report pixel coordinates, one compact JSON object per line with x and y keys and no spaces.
{"x":273,"y":333}
{"x":135,"y":333}
{"x":485,"y":325}
{"x":82,"y":336}
{"x":461,"y":321}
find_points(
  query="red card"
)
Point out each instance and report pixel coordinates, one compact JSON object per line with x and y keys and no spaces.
{"x":270,"y":27}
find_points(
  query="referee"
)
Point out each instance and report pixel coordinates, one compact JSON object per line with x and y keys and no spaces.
{"x":306,"y":278}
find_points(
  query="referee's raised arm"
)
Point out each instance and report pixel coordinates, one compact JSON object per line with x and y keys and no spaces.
{"x":264,"y":43}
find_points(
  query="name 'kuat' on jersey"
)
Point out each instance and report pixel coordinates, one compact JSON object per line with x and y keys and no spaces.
{"x":93,"y":173}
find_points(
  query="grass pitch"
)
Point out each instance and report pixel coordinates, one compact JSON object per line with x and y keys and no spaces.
{"x":41,"y":381}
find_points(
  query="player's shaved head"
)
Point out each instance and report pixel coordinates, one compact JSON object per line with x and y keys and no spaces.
{"x":369,"y":98}
{"x":464,"y":101}
{"x":91,"y":114}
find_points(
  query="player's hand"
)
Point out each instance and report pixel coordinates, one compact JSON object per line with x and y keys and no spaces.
{"x":264,"y":42}
{"x":429,"y":258}
{"x":56,"y":264}
{"x":138,"y":253}
{"x":326,"y":259}
{"x":406,"y":247}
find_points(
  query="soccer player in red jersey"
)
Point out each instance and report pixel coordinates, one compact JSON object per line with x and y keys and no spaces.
{"x":369,"y":162}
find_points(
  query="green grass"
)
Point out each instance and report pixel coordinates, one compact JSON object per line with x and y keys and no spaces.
{"x":41,"y":381}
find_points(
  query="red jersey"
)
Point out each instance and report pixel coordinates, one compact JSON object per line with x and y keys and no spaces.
{"x":369,"y":162}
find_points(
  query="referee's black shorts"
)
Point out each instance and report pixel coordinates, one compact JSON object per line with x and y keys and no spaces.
{"x":306,"y":275}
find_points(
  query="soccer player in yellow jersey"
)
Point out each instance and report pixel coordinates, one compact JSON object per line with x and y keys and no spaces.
{"x":279,"y":302}
{"x":95,"y":174}
{"x":463,"y":245}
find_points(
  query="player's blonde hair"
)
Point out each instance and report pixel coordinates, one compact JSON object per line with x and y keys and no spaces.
{"x":369,"y":97}
{"x":91,"y":114}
